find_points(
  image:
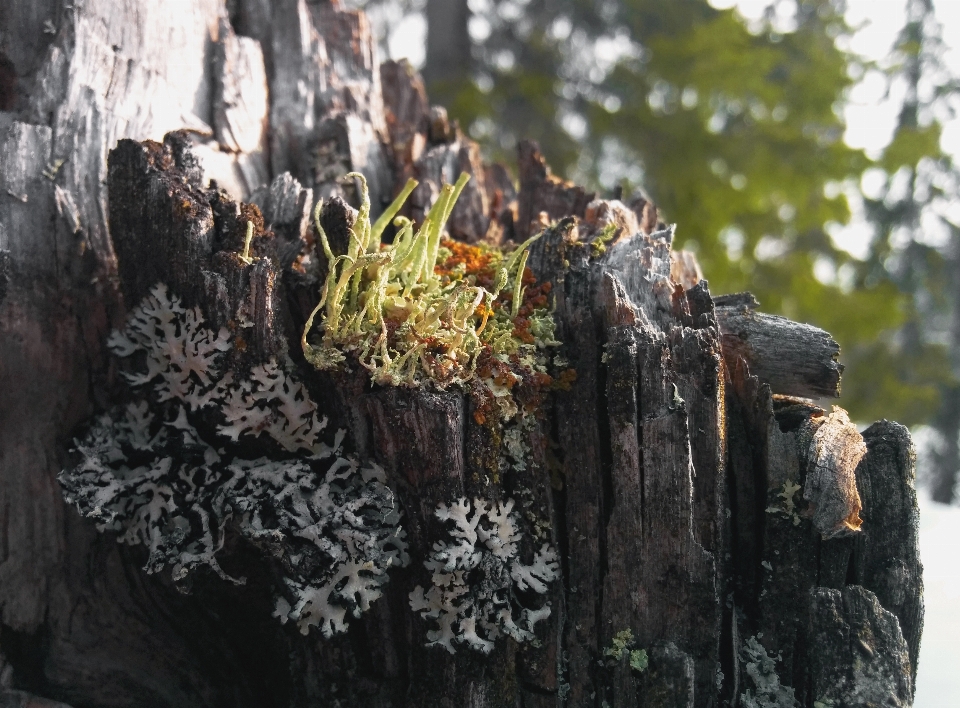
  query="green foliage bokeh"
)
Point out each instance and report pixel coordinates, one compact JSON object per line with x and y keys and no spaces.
{"x":735,"y":130}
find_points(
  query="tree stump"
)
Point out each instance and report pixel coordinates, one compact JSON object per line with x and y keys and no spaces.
{"x":720,"y":539}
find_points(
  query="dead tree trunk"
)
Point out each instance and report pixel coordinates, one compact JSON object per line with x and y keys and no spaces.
{"x":720,"y":539}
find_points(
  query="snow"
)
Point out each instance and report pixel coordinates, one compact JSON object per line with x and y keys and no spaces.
{"x":938,"y":673}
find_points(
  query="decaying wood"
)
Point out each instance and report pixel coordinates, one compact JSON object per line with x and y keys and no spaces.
{"x":795,"y":359}
{"x":442,"y":164}
{"x":835,"y":451}
{"x":542,"y":192}
{"x":782,"y":560}
{"x":853,"y":620}
{"x":693,"y":501}
{"x":886,"y":556}
{"x":407,"y":113}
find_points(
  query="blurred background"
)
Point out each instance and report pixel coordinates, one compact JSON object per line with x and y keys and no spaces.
{"x":808,"y":151}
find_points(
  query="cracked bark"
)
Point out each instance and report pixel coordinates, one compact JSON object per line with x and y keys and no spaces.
{"x":662,"y":470}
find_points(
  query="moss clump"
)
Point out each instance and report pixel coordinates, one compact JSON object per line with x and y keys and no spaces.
{"x":426,"y":309}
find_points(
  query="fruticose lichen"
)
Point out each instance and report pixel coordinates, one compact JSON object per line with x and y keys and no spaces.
{"x":427,"y":309}
{"x":480,"y":588}
{"x":165,"y":471}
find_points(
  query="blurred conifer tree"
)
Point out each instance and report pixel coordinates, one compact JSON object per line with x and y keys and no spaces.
{"x":735,"y":130}
{"x":913,"y":205}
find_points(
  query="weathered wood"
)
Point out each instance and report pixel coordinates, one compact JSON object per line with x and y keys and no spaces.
{"x":853,"y":624}
{"x":661,"y":473}
{"x":581,"y":446}
{"x":644,"y":512}
{"x":795,"y":558}
{"x":326,"y":108}
{"x":830,"y":489}
{"x":407,"y":113}
{"x":22,"y":699}
{"x":61,"y":582}
{"x":240,"y":109}
{"x":441,"y":165}
{"x":887,"y":554}
{"x":543,"y":192}
{"x":795,"y":359}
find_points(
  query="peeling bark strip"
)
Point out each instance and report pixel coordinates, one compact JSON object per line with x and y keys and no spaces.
{"x":703,"y":518}
{"x":831,"y":487}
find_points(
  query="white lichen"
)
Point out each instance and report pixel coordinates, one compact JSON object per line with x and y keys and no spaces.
{"x":480,"y":588}
{"x":515,"y":448}
{"x":271,"y":402}
{"x":181,"y":355}
{"x":337,"y":534}
{"x":767,"y":691}
{"x":148,"y":473}
{"x":789,"y":507}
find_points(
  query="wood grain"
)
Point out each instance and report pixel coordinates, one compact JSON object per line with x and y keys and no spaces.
{"x":662,"y":474}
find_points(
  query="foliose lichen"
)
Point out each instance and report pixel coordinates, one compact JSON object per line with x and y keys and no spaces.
{"x":623,"y":644}
{"x":767,"y":691}
{"x":166,"y":472}
{"x":480,"y":588}
{"x":789,"y":507}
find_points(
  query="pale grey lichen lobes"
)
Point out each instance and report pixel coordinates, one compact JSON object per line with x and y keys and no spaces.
{"x":478,"y":577}
{"x":181,"y":354}
{"x":183,"y":364}
{"x":149,"y":474}
{"x":767,"y":691}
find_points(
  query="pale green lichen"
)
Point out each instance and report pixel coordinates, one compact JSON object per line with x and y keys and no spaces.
{"x":390,"y":308}
{"x":245,"y":256}
{"x":599,"y":245}
{"x":789,"y":507}
{"x":638,"y":659}
{"x":623,"y":644}
{"x":619,"y":644}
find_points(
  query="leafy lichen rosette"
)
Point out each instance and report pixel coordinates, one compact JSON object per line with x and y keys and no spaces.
{"x":165,"y":471}
{"x":480,"y":587}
